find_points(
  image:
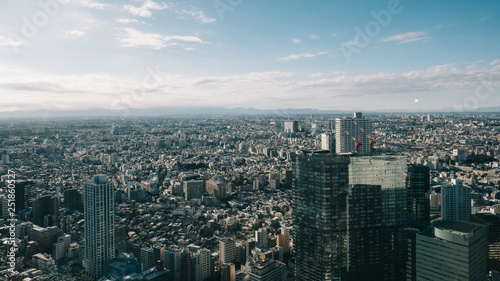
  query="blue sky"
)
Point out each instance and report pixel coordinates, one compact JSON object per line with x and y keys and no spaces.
{"x":344,"y":55}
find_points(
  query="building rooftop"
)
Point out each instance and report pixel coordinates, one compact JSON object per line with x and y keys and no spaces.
{"x":458,"y":226}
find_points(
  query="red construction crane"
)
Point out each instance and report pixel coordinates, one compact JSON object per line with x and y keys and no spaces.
{"x":358,"y":142}
{"x":372,"y":139}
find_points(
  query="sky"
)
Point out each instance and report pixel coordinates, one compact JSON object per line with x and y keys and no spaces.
{"x":328,"y":55}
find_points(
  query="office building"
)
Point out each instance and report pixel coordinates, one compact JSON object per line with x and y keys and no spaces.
{"x":261,"y":238}
{"x":43,"y":207}
{"x":99,"y":198}
{"x":45,"y":236}
{"x":349,"y":130}
{"x":319,"y":204}
{"x":328,"y":142}
{"x":364,"y":232}
{"x":492,"y":223}
{"x":228,"y":272}
{"x":227,"y":250}
{"x":73,"y":199}
{"x":417,"y":195}
{"x":268,"y":270}
{"x":455,"y":201}
{"x":390,"y":173}
{"x":201,"y":262}
{"x":61,"y":247}
{"x":291,"y":126}
{"x":173,"y":256}
{"x":193,"y":189}
{"x":147,"y":258}
{"x":24,"y":194}
{"x":452,"y":250}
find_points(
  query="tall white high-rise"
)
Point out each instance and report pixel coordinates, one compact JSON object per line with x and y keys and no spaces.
{"x":348,"y":128}
{"x":455,"y":201}
{"x":99,"y":198}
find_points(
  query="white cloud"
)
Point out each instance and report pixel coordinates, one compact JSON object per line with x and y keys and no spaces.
{"x":196,"y":14}
{"x":296,"y":40}
{"x":495,"y":62}
{"x":122,"y":20}
{"x":76,"y":33}
{"x":337,"y":72}
{"x":9,"y":42}
{"x":183,"y":38}
{"x":87,"y":3}
{"x":316,"y":75}
{"x":146,"y":9}
{"x":129,"y":37}
{"x":313,"y":36}
{"x":302,"y":56}
{"x":408,"y":37}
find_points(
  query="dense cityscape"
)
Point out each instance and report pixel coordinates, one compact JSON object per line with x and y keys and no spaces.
{"x":202,"y":198}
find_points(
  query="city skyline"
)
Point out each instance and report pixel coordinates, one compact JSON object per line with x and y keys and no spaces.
{"x":369,"y":56}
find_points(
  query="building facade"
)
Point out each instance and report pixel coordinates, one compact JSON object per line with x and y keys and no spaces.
{"x":346,"y":128}
{"x":452,"y":250}
{"x":99,"y":198}
{"x":319,"y":208}
{"x":455,"y":201}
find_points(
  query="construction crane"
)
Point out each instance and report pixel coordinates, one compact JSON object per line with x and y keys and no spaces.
{"x":372,"y":139}
{"x":358,"y":141}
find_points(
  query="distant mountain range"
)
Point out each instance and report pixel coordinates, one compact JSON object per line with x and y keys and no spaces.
{"x":190,"y":111}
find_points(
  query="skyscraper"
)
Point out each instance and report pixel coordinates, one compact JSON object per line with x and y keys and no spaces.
{"x":452,"y":250}
{"x":99,"y":198}
{"x":364,"y":232}
{"x":417,"y":193}
{"x":455,"y":201}
{"x":348,"y":128}
{"x":492,"y":223}
{"x":390,"y":173}
{"x":319,"y":209}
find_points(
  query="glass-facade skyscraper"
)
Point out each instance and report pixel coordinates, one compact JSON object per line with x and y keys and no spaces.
{"x":319,"y":212}
{"x":333,"y":196}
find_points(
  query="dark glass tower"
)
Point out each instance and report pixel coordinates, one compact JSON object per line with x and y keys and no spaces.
{"x":364,"y":232}
{"x":418,"y":186}
{"x":319,"y":212}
